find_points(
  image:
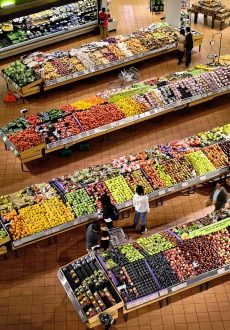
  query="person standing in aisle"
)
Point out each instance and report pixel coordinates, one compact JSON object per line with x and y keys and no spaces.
{"x":109,"y":211}
{"x":219,"y":197}
{"x":141,"y":206}
{"x":181,"y":45}
{"x":92,"y":236}
{"x":103,"y":23}
{"x":188,"y":46}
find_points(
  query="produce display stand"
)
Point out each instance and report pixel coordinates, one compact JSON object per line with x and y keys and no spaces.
{"x":39,"y":151}
{"x":165,"y":294}
{"x":209,"y":11}
{"x":93,"y":321}
{"x":159,"y":194}
{"x":39,"y":11}
{"x":162,"y":294}
{"x":40,"y":85}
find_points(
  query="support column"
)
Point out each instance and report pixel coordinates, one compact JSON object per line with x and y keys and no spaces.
{"x":173,"y":12}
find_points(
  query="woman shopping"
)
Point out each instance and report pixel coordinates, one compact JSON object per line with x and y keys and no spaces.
{"x":109,"y":211}
{"x":181,"y":45}
{"x":141,"y":205}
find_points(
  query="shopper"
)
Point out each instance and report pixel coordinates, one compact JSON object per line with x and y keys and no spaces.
{"x":181,"y":45}
{"x":109,"y":211}
{"x":103,"y":23}
{"x":92,"y":236}
{"x":188,"y":46}
{"x":141,"y":205}
{"x":219,"y":197}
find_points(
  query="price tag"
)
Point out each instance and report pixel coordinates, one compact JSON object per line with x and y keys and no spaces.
{"x":221,"y":271}
{"x":76,"y":222}
{"x":171,"y":189}
{"x":148,"y":113}
{"x":152,"y":111}
{"x":184,"y":184}
{"x":11,"y":148}
{"x":202,"y":178}
{"x":179,"y":287}
{"x":161,"y":192}
{"x":142,"y":115}
{"x":163,"y":292}
{"x":4,"y":138}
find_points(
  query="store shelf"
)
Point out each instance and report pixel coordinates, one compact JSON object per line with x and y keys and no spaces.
{"x":50,"y":38}
{"x":124,"y":206}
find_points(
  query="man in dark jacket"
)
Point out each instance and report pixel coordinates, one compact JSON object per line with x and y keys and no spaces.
{"x":188,"y":46}
{"x":219,"y":197}
{"x":92,"y":236}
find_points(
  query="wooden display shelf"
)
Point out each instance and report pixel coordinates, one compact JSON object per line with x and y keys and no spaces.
{"x":156,"y":195}
{"x":3,"y":250}
{"x":39,"y":85}
{"x":126,"y":311}
{"x":5,"y":240}
{"x":110,"y":68}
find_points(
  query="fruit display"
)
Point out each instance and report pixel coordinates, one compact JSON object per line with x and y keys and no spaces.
{"x":164,"y":177}
{"x":137,"y":278}
{"x":225,"y":146}
{"x":81,"y":202}
{"x":119,"y":189}
{"x":154,"y":244}
{"x":20,"y":74}
{"x":201,"y":253}
{"x":137,"y":178}
{"x":82,"y":190}
{"x":215,"y":154}
{"x":162,"y":270}
{"x":181,"y":267}
{"x":26,"y":139}
{"x":129,"y":106}
{"x":39,"y":217}
{"x":113,"y":258}
{"x":96,"y":190}
{"x":90,"y":286}
{"x":200,"y":162}
{"x":179,"y":169}
{"x":130,"y":253}
{"x":221,"y":242}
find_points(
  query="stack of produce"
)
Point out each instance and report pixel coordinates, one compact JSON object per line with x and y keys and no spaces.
{"x":154,"y":244}
{"x":119,"y":189}
{"x":80,"y":202}
{"x":26,"y":139}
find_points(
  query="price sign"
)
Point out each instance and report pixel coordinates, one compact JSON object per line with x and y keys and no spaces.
{"x":142,"y":115}
{"x":163,"y":292}
{"x":4,"y":138}
{"x":11,"y":148}
{"x":184,"y":184}
{"x":148,"y":113}
{"x":179,"y":287}
{"x":171,"y":189}
{"x":161,"y":192}
{"x":202,"y":178}
{"x":221,"y":271}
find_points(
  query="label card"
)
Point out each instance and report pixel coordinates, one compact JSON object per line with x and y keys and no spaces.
{"x":180,"y":286}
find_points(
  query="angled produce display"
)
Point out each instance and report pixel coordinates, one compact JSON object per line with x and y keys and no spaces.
{"x":49,"y":70}
{"x":160,"y":269}
{"x":114,"y":109}
{"x":67,"y":201}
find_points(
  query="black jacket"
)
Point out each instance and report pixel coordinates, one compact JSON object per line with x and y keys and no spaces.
{"x":222,"y":198}
{"x":92,"y":238}
{"x":189,"y":41}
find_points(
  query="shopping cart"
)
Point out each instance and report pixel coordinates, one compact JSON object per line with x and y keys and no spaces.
{"x":129,"y":77}
{"x":117,"y":236}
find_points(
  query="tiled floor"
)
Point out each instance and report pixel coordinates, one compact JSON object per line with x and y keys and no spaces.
{"x":30,"y":294}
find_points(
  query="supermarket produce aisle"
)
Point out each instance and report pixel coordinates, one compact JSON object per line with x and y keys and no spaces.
{"x":31,"y":296}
